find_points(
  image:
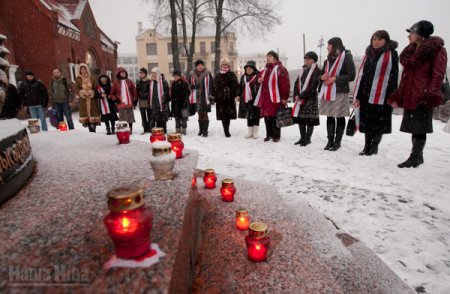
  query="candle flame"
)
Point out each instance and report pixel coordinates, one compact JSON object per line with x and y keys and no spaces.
{"x":258,"y":247}
{"x":242,"y":219}
{"x":125,"y":223}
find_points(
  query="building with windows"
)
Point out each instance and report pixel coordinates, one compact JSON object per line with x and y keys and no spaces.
{"x":45,"y":34}
{"x":129,"y":62}
{"x":155,"y":49}
{"x":259,"y":58}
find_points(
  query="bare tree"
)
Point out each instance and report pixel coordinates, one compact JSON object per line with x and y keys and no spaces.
{"x":253,"y":16}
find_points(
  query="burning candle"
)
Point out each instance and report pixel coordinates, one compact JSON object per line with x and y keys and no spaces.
{"x":242,"y":219}
{"x":62,"y":126}
{"x":157,"y":135}
{"x":257,"y":242}
{"x":194,"y":182}
{"x":123,"y":132}
{"x":129,"y":221}
{"x":210,"y":179}
{"x":228,"y":190}
{"x":177,"y":144}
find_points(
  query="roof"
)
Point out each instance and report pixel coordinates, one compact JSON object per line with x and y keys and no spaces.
{"x":206,"y":30}
{"x":63,"y":11}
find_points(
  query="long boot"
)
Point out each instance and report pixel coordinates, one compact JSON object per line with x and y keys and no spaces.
{"x":183,"y":131}
{"x":205,"y":128}
{"x":226,"y":128}
{"x":309,"y":132}
{"x":200,"y":127}
{"x":108,"y":129}
{"x":113,"y":127}
{"x":337,"y":140}
{"x":131,"y":128}
{"x":331,"y":126}
{"x":302,"y":129}
{"x":255,"y":132}
{"x":178,"y":130}
{"x":250,"y":133}
{"x":276,"y":131}
{"x":376,"y":139}
{"x":269,"y":131}
{"x":416,"y":157}
{"x":367,"y":144}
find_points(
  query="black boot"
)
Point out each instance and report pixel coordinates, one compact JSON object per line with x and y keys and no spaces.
{"x":416,"y":157}
{"x":226,"y":128}
{"x":276,"y":131}
{"x":131,"y":128}
{"x":205,"y":128}
{"x":108,"y":129}
{"x":302,"y":129}
{"x":269,"y":131}
{"x":200,"y":127}
{"x":367,"y":144}
{"x":376,"y":139}
{"x":113,"y":127}
{"x":309,"y":133}
{"x":337,"y":140}
{"x":331,"y":126}
{"x":92,"y":128}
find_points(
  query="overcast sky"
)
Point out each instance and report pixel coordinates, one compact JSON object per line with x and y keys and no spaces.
{"x":352,"y":20}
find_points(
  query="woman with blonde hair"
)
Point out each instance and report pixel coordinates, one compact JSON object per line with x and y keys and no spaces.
{"x":84,"y":91}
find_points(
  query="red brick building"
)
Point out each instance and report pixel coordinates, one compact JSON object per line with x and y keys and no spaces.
{"x":44,"y":34}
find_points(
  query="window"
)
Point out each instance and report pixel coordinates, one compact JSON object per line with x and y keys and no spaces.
{"x":169,"y":48}
{"x":171,"y":67}
{"x":151,"y":49}
{"x":231,"y":47}
{"x":213,"y":47}
{"x":151,"y":65}
{"x":202,"y":47}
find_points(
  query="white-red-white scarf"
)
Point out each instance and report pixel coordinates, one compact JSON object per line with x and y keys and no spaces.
{"x":301,"y":88}
{"x":193,"y":95}
{"x":247,"y":90}
{"x":329,"y":92}
{"x":193,"y":91}
{"x":126,"y":99}
{"x":159,"y":85}
{"x":274,"y":92}
{"x":104,"y":105}
{"x":380,"y":79}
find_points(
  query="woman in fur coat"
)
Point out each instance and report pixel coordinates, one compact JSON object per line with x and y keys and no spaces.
{"x":85,"y":85}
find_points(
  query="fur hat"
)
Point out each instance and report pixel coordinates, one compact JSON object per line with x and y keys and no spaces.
{"x":311,"y":55}
{"x":199,"y":61}
{"x":155,"y":70}
{"x":225,"y":61}
{"x":274,"y":54}
{"x":423,"y":28}
{"x":143,"y":70}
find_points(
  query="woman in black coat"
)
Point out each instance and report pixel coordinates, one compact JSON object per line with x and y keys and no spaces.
{"x":108,"y":109}
{"x":180,"y":102}
{"x":377,"y":79}
{"x":226,"y":89}
{"x":248,"y":90}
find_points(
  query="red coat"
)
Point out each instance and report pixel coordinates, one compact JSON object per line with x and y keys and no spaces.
{"x":116,"y":90}
{"x":423,"y":73}
{"x":268,"y":108}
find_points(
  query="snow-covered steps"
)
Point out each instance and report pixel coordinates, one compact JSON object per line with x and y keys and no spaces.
{"x":308,"y":254}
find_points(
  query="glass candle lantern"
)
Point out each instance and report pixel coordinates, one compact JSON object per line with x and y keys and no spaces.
{"x":157,"y":135}
{"x":33,"y":125}
{"x":242,"y":219}
{"x":210,"y":179}
{"x":177,"y":144}
{"x":129,"y":221}
{"x":123,"y":132}
{"x":257,"y":242}
{"x":228,"y":190}
{"x":194,"y":182}
{"x":62,"y":126}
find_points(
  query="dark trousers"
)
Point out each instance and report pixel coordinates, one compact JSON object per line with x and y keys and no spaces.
{"x":272,"y":130}
{"x":63,"y":109}
{"x":254,"y":121}
{"x":146,"y":115}
{"x":180,"y":122}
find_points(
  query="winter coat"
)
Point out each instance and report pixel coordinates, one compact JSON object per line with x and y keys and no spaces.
{"x":376,"y":118}
{"x":345,"y":76}
{"x":116,"y":90}
{"x":249,"y":110}
{"x":143,"y":92}
{"x":199,"y":85}
{"x":12,"y":102}
{"x":267,"y":107}
{"x":423,"y":72}
{"x":59,"y":90}
{"x":180,"y":98}
{"x":309,"y":108}
{"x":33,"y":93}
{"x":160,"y":113}
{"x":89,"y":111}
{"x":112,"y":116}
{"x":226,"y":88}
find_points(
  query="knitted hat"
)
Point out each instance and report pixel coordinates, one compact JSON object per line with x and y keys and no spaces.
{"x":29,"y":73}
{"x":199,"y":61}
{"x":225,"y":61}
{"x":423,"y":28}
{"x":251,"y":64}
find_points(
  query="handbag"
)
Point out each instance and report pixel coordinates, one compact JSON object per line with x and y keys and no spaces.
{"x":351,"y":125}
{"x":243,"y":110}
{"x":284,"y":117}
{"x":192,"y":109}
{"x":445,"y":89}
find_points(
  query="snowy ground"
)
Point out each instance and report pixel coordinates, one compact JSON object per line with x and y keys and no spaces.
{"x":402,"y":214}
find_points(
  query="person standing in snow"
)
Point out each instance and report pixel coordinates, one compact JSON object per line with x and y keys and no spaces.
{"x":123,"y":92}
{"x":180,"y":102}
{"x":159,"y":99}
{"x":377,"y":79}
{"x":60,"y":93}
{"x":143,"y":93}
{"x":202,"y":94}
{"x":226,"y":90}
{"x":107,"y":105}
{"x":248,"y":89}
{"x":272,"y":94}
{"x":34,"y":95}
{"x":84,"y":91}
{"x":338,"y":72}
{"x":306,"y":110}
{"x":424,"y":63}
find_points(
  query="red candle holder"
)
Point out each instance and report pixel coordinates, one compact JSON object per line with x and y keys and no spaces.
{"x":194,"y":182}
{"x":177,"y":144}
{"x":123,"y":132}
{"x":62,"y":126}
{"x":228,"y":190}
{"x":129,"y":221}
{"x":242,"y":219}
{"x":210,"y":179}
{"x":257,"y":242}
{"x":157,"y":135}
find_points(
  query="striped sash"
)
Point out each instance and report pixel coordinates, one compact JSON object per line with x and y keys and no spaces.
{"x":329,"y":92}
{"x":193,"y":95}
{"x":274,"y":92}
{"x":126,"y":99}
{"x":104,"y":105}
{"x":301,"y":88}
{"x":247,"y":90}
{"x":160,"y":92}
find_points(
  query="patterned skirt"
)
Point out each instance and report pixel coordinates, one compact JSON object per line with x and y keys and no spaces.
{"x":126,"y":114}
{"x":338,"y":108}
